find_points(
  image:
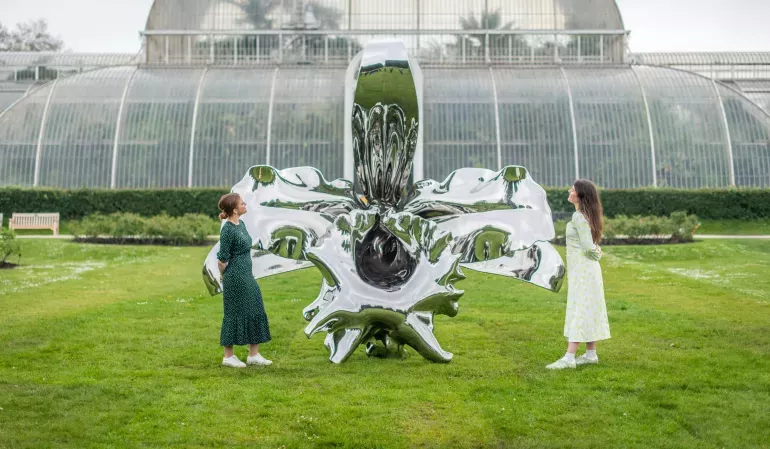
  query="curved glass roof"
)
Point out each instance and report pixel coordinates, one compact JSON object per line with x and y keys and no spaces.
{"x":248,"y":32}
{"x":623,"y":127}
{"x":219,"y":15}
{"x":702,"y":58}
{"x":722,"y":66}
{"x":11,"y":92}
{"x":30,"y":58}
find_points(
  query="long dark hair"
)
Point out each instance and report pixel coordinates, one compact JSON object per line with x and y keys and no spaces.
{"x":590,"y":205}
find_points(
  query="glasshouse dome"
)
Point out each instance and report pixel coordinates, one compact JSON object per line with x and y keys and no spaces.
{"x":223,"y":85}
{"x":393,"y":15}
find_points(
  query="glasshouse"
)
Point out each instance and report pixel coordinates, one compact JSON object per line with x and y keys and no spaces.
{"x":220,"y":85}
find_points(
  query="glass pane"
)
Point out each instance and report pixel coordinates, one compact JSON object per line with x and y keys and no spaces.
{"x":231,"y":129}
{"x":80,"y":129}
{"x":535,"y":124}
{"x":459,"y":121}
{"x":750,"y":137}
{"x":156,"y":129}
{"x":614,"y":147}
{"x":19,"y":134}
{"x":690,"y":137}
{"x":307,"y":127}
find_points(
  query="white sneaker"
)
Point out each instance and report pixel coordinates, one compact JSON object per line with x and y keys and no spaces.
{"x":258,"y":360}
{"x":583,"y":360}
{"x":561,"y":364}
{"x":233,"y":362}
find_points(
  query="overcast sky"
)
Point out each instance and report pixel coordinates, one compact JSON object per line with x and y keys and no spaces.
{"x":656,"y":25}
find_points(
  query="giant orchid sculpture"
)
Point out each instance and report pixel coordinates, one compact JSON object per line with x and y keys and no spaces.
{"x":389,"y":252}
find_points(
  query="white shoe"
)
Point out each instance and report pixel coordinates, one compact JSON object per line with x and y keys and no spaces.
{"x":233,"y":362}
{"x":561,"y":364}
{"x":258,"y":360}
{"x":583,"y":360}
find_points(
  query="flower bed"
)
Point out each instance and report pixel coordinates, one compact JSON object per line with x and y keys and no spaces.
{"x":622,"y":230}
{"x":127,"y":228}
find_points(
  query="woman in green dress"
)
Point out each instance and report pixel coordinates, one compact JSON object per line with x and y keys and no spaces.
{"x":244,"y":321}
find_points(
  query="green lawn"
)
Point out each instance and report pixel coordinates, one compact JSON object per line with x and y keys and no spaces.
{"x":108,"y":346}
{"x":735,"y":227}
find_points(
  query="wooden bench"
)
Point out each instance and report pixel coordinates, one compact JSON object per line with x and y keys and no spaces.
{"x":35,"y":221}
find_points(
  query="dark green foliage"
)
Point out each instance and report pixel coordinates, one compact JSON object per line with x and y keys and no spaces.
{"x":9,"y":245}
{"x":119,"y":227}
{"x":73,"y":204}
{"x":705,"y":203}
{"x":676,"y":228}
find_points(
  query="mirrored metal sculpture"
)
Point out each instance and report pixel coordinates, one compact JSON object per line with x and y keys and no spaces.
{"x":390,"y":255}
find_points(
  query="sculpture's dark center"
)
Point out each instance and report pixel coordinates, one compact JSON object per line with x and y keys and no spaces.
{"x":383,"y":261}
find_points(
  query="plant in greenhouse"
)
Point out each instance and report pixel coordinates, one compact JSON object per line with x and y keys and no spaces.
{"x":476,"y":43}
{"x":303,"y":16}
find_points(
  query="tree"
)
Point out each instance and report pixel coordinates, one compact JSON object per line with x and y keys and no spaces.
{"x":476,"y":43}
{"x":5,"y":37}
{"x":306,"y":16}
{"x":30,"y":36}
{"x":257,"y":12}
{"x":592,"y":46}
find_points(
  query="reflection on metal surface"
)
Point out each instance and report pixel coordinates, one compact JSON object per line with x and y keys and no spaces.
{"x":385,"y":115}
{"x":389,"y":258}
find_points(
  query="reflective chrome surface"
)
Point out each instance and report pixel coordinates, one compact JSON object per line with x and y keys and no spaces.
{"x":500,"y":222}
{"x":385,"y":116}
{"x":389,"y":258}
{"x":288,"y":211}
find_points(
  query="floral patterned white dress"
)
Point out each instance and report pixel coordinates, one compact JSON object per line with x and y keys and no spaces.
{"x":586,"y":311}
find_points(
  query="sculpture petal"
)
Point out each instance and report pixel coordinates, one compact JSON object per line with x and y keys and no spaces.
{"x":263,"y":264}
{"x":472,"y":190}
{"x":493,"y":216}
{"x":300,"y":188}
{"x":539,"y":264}
{"x":287,"y":211}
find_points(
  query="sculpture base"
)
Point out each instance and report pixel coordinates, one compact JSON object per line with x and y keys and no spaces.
{"x":383,"y":346}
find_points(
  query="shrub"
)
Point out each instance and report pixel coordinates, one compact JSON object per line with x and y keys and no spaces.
{"x":131,"y":228}
{"x":93,"y":226}
{"x":8,"y":245}
{"x":683,"y":226}
{"x":679,"y":227}
{"x":127,"y":225}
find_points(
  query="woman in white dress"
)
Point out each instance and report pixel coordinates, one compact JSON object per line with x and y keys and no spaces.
{"x":586,"y":320}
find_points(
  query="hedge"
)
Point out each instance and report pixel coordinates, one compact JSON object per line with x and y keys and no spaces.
{"x":124,"y":227}
{"x":73,"y":204}
{"x":715,"y":204}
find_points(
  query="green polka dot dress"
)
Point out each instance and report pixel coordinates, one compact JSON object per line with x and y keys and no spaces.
{"x":586,"y":311}
{"x":245,"y":320}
